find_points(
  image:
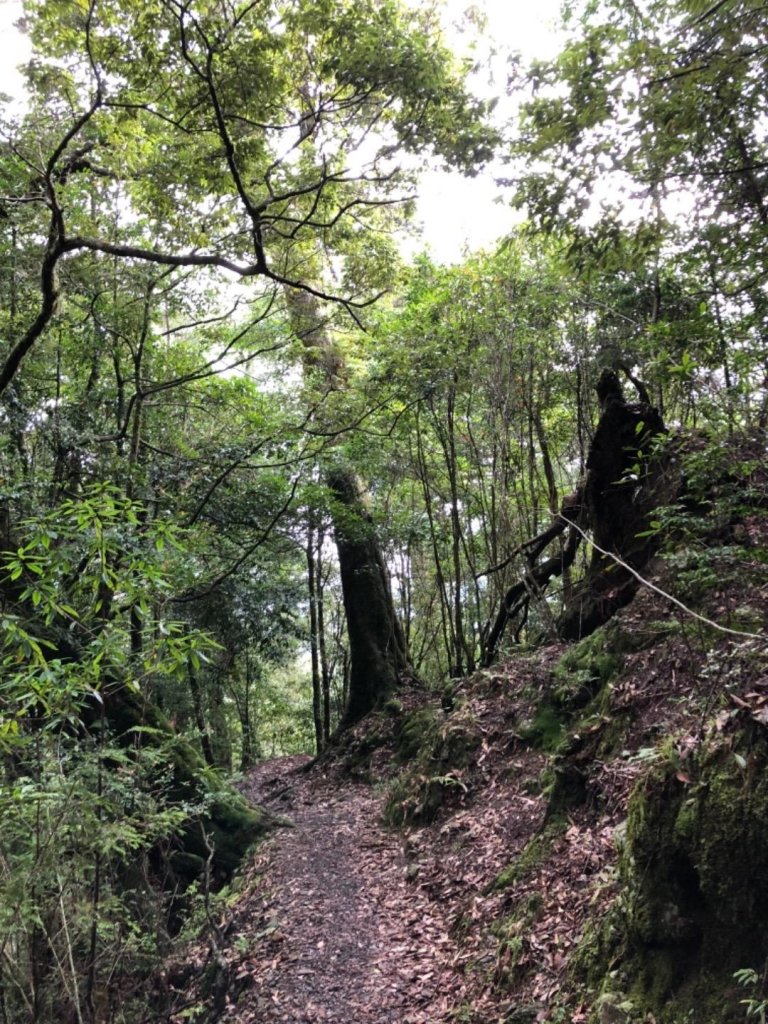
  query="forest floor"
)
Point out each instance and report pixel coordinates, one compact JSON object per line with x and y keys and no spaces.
{"x":341,"y":918}
{"x":447,"y":862}
{"x":339,"y":932}
{"x":470,"y":914}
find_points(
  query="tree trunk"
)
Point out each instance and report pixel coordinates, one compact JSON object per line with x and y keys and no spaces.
{"x":626,"y":478}
{"x":314,"y":641}
{"x":376,"y":642}
{"x":197,"y":704}
{"x":325,"y":671}
{"x":625,"y":481}
{"x":249,"y":751}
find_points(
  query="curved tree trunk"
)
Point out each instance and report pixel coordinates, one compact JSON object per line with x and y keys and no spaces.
{"x":377,"y":644}
{"x":625,"y":481}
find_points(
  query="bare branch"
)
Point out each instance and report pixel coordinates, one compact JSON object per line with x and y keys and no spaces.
{"x":196,"y":259}
{"x":55,"y":248}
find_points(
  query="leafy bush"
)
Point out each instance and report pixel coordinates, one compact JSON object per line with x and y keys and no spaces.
{"x":86,"y":815}
{"x":79,"y":913}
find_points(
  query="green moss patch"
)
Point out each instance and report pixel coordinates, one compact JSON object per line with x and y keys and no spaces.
{"x":546,"y":730}
{"x":533,"y":854}
{"x":513,"y":957}
{"x":437,"y":748}
{"x":694,"y":886}
{"x":585,"y":670}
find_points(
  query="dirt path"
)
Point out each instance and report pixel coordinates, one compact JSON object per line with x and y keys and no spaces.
{"x":337,"y":930}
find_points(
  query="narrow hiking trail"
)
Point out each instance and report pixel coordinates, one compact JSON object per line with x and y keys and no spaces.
{"x":471,"y":916}
{"x":336,"y":929}
{"x":486,"y":909}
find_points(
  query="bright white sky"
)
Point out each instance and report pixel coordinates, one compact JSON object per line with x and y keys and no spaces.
{"x":457,"y":213}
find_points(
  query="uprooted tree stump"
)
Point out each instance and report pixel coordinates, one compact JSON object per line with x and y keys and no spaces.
{"x":628,"y":475}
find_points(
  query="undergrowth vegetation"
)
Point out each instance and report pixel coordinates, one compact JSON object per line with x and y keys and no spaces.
{"x":83,"y":913}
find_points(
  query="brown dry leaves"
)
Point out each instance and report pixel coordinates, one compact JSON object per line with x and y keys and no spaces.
{"x":347,"y":922}
{"x":339,"y":932}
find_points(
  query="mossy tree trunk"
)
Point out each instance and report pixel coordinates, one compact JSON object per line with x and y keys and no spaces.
{"x":377,"y":646}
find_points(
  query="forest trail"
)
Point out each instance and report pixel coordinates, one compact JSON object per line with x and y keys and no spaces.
{"x":336,"y":929}
{"x":341,"y":920}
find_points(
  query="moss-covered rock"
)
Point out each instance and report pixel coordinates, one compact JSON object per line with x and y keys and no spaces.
{"x":694,"y":874}
{"x":546,"y":729}
{"x":578,"y":696}
{"x":569,"y":789}
{"x":585,"y":669}
{"x":574,"y":719}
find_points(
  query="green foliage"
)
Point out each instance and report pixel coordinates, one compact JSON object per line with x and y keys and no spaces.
{"x":207,"y":138}
{"x":158,"y":454}
{"x":705,"y":534}
{"x":84,"y":571}
{"x":74,"y":923}
{"x":483,"y":440}
{"x":284,"y":712}
{"x":648,"y":137}
{"x":252,"y":144}
{"x":755,"y":1007}
{"x":75,"y":591}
